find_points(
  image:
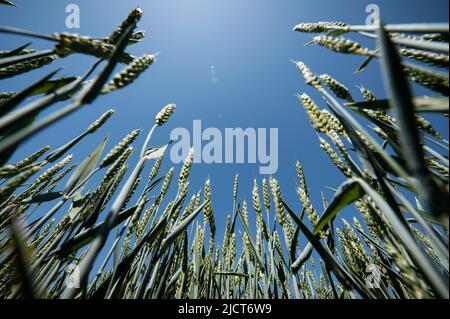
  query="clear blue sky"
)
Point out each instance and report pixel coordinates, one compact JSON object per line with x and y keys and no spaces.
{"x":250,"y":44}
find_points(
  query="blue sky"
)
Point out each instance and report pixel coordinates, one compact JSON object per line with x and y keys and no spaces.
{"x":249,"y":43}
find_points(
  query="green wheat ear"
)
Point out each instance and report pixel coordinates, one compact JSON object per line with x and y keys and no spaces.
{"x":432,"y":80}
{"x":9,"y":189}
{"x":155,"y":169}
{"x":235,"y":186}
{"x":434,"y":59}
{"x":9,"y":171}
{"x":303,"y":193}
{"x":133,"y":17}
{"x":209,"y":214}
{"x":310,"y":78}
{"x":342,"y":45}
{"x":266,"y":196}
{"x":368,"y":95}
{"x":339,"y":89}
{"x":119,"y":149}
{"x":163,"y":116}
{"x":186,"y":169}
{"x":55,"y":169}
{"x":320,"y":27}
{"x":337,"y":161}
{"x":278,"y":200}
{"x":25,"y":67}
{"x":129,"y":74}
{"x":99,"y":122}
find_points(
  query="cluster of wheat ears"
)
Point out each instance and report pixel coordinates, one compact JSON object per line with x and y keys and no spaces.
{"x":152,"y":244}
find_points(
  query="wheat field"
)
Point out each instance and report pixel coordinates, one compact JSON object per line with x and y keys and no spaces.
{"x":163,"y":244}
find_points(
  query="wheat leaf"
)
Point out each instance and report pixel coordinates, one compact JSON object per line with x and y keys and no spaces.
{"x":347,"y":193}
{"x":85,"y":169}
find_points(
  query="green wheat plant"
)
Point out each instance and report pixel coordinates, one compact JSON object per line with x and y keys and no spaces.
{"x":396,"y":166}
{"x":138,"y":234}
